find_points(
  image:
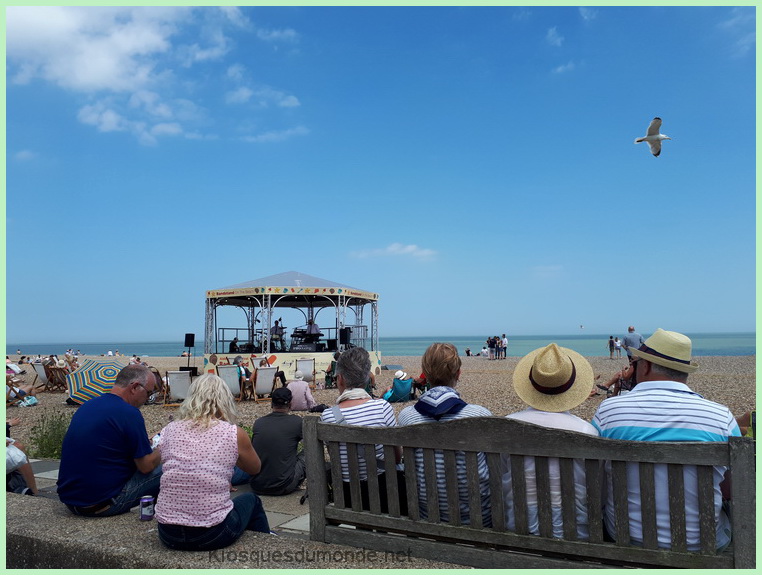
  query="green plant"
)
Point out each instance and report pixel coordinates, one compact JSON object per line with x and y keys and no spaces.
{"x":47,"y":436}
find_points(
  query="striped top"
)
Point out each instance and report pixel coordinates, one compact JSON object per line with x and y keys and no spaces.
{"x":373,"y":413}
{"x":666,"y":411}
{"x":410,"y":416}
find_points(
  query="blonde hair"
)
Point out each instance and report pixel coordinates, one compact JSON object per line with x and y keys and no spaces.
{"x":209,"y":399}
{"x":441,"y":364}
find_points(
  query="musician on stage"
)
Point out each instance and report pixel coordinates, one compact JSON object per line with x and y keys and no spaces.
{"x":313,"y":332}
{"x":276,"y":336}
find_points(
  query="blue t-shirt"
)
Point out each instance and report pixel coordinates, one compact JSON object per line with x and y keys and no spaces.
{"x":106,"y":435}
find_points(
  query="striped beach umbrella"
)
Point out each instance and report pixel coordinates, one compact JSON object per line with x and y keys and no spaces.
{"x":93,"y":378}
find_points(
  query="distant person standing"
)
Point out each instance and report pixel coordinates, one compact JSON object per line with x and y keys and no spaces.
{"x":612,"y":346}
{"x":633,"y":340}
{"x":618,"y":347}
{"x":505,"y":345}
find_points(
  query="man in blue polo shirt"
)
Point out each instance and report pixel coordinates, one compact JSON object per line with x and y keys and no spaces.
{"x":107,"y":463}
{"x":661,"y":407}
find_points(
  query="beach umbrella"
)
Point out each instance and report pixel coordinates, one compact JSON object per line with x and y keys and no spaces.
{"x":93,"y":378}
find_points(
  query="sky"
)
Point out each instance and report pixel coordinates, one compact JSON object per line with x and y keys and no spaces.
{"x":475,"y":167}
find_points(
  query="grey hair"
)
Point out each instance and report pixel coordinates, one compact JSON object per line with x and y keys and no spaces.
{"x":354,"y":366}
{"x":133,"y":373}
{"x":669,"y":373}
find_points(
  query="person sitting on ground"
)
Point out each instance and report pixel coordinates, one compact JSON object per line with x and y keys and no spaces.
{"x":19,"y":476}
{"x":302,"y":399}
{"x":276,"y":438}
{"x":107,"y":463}
{"x":401,"y":389}
{"x":194,"y":509}
{"x":661,"y":407}
{"x":354,"y":406}
{"x":441,"y":403}
{"x":551,"y":381}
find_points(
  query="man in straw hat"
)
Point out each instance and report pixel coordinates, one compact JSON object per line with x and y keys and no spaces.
{"x":551,"y":381}
{"x":661,"y":407}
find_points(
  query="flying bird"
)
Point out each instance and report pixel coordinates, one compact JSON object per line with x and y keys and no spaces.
{"x":653,"y":137}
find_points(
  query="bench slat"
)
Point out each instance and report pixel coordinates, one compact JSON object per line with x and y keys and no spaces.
{"x":621,"y":508}
{"x":594,"y":493}
{"x":542,"y":481}
{"x":677,"y":507}
{"x":374,"y":496}
{"x":568,"y":498}
{"x":497,"y":502}
{"x":474,"y":489}
{"x":648,"y":505}
{"x":519,"y":481}
{"x":432,"y":494}
{"x":355,"y":492}
{"x":743,"y":501}
{"x":338,"y":484}
{"x":453,"y":499}
{"x":314,"y":456}
{"x":411,"y":482}
{"x":392,"y":490}
{"x":707,"y":530}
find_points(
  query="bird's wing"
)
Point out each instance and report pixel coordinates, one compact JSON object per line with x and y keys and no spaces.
{"x":653,"y":128}
{"x":655,"y":147}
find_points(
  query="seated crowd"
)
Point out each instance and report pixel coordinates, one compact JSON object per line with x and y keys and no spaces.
{"x":194,"y":507}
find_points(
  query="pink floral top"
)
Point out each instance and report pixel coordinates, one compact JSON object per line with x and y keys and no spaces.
{"x":197,"y":465}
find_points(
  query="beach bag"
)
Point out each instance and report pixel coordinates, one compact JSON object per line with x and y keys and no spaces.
{"x":28,"y":401}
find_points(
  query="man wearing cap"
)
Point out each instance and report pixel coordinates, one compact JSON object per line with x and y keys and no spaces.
{"x":633,"y":340}
{"x":551,"y":381}
{"x":302,"y":399}
{"x":275,"y":438}
{"x":661,"y":407}
{"x":401,"y":389}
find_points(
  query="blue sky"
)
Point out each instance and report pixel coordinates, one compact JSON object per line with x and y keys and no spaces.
{"x":473,"y":166}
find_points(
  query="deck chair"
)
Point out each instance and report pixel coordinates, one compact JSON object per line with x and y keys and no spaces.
{"x":40,"y":373}
{"x":265,"y":383}
{"x":231,"y":376}
{"x":56,"y":379}
{"x":10,"y":401}
{"x":178,"y":385}
{"x":307,"y":366}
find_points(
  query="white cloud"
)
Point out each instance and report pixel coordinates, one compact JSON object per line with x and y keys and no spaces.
{"x":130,"y":63}
{"x":568,"y":67}
{"x":239,"y":95}
{"x":276,"y":135}
{"x":24,"y":155}
{"x":396,"y":250}
{"x":741,"y":25}
{"x":587,"y":13}
{"x":553,"y":37}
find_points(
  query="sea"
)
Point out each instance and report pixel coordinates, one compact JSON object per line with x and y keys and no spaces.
{"x":518,"y":345}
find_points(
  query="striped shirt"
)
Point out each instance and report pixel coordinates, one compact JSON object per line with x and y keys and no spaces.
{"x":410,"y":416}
{"x":373,"y":413}
{"x":666,"y":411}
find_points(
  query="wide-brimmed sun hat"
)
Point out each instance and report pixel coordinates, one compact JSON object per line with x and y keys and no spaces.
{"x":553,"y":378}
{"x":669,"y":349}
{"x":60,"y":363}
{"x":399,"y":374}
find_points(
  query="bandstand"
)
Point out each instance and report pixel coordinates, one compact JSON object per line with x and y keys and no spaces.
{"x":240,"y":320}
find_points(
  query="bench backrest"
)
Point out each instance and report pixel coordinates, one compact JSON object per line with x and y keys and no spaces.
{"x":497,"y":437}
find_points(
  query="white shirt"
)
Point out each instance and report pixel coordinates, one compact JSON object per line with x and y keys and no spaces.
{"x":313,"y":328}
{"x":563,"y":420}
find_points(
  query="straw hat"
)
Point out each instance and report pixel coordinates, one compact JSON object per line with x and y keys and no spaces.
{"x":399,"y":374}
{"x":60,"y":363}
{"x":553,"y":378}
{"x":668,"y":348}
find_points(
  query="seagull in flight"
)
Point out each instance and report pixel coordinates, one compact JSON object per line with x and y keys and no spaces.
{"x":653,"y":137}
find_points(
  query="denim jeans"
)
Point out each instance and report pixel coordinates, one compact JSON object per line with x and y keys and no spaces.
{"x":137,"y":486}
{"x":247,"y":513}
{"x":239,"y":476}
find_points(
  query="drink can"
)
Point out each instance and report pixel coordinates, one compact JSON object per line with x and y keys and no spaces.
{"x":146,"y":508}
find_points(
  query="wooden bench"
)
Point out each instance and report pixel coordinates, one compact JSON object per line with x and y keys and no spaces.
{"x":497,"y":547}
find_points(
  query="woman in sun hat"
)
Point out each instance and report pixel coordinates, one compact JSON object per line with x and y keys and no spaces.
{"x":401,"y":389}
{"x":551,"y":381}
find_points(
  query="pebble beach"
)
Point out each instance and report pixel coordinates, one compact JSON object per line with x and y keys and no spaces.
{"x":729,"y":380}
